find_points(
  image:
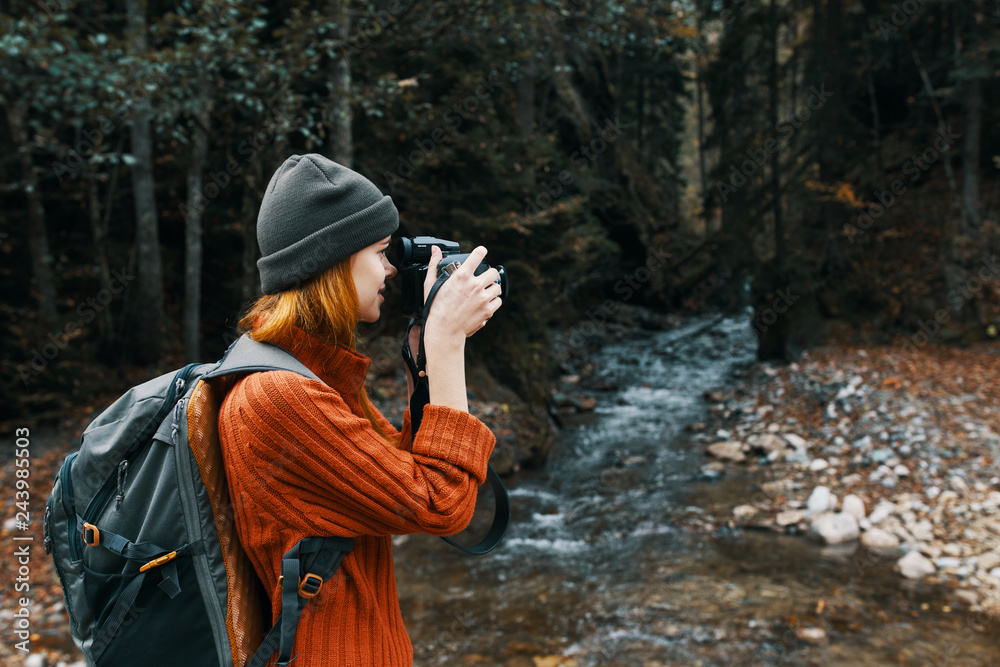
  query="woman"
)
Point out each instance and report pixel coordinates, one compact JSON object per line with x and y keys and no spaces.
{"x":308,"y":458}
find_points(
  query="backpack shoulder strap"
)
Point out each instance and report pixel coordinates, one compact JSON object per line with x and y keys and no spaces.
{"x":304,"y":569}
{"x":249,"y":356}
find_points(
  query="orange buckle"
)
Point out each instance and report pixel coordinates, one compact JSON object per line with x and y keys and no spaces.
{"x":157,"y":562}
{"x":309,"y":585}
{"x":91,"y":535}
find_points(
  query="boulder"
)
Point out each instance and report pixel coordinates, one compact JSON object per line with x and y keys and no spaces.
{"x":988,"y":560}
{"x":811,"y":635}
{"x":834,"y":528}
{"x":915,"y":566}
{"x":769,"y":443}
{"x":820,"y":500}
{"x":882,"y":511}
{"x":877,"y":539}
{"x":818,"y":464}
{"x":789,"y":517}
{"x":727,"y":451}
{"x":796,"y":441}
{"x":854,"y":505}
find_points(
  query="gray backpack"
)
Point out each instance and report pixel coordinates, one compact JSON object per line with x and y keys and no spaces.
{"x":141,"y":527}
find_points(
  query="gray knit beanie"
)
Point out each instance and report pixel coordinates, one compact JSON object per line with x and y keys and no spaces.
{"x":316,"y":213}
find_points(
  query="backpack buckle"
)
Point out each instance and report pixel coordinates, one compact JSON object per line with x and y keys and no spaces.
{"x":157,"y":562}
{"x":309,"y":585}
{"x":91,"y":535}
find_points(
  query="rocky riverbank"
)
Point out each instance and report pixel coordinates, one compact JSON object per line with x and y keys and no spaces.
{"x":891,"y":451}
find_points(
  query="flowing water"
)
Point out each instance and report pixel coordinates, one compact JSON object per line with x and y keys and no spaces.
{"x":612,"y":557}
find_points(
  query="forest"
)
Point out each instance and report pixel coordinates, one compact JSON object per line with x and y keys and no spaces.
{"x":835,"y":151}
{"x":752,"y":249}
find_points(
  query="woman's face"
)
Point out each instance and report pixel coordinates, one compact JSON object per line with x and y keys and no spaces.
{"x":370,"y":268}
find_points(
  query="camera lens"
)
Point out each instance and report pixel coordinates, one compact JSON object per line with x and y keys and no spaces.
{"x":404,"y":251}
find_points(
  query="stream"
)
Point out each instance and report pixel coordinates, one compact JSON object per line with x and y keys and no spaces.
{"x":614,"y":558}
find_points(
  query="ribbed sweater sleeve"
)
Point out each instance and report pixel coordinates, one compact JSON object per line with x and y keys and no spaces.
{"x":300,"y":438}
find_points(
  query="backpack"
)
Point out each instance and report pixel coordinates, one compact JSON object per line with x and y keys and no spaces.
{"x":142,"y":530}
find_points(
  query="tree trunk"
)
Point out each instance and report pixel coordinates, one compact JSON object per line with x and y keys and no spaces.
{"x":779,"y":229}
{"x":526,"y":101}
{"x":149,"y":312}
{"x":38,"y":236}
{"x":970,"y":153}
{"x":248,"y":214}
{"x":193,"y":228}
{"x":99,"y":231}
{"x":339,"y":120}
{"x":702,"y":157}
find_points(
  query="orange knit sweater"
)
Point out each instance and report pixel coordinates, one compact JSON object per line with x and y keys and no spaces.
{"x":302,"y":459}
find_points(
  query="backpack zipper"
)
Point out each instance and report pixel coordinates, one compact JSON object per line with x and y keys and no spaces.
{"x":103,"y":496}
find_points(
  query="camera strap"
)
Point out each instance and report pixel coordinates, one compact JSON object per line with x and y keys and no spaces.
{"x":420,"y":398}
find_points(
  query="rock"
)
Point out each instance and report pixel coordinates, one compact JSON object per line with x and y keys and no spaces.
{"x":776,"y":487}
{"x":958,"y":485}
{"x":995,"y":573}
{"x":854,"y":505}
{"x":727,"y":451}
{"x":852,"y":479}
{"x":901,"y":471}
{"x":834,"y":528}
{"x":947,"y":561}
{"x":988,"y":560}
{"x":952,"y":550}
{"x":914,"y":566}
{"x":947,"y":496}
{"x":992,"y":499}
{"x":789,"y":517}
{"x":877,"y":539}
{"x":769,"y":443}
{"x":882,"y":511}
{"x":882,"y":455}
{"x":797,"y":456}
{"x":819,"y":501}
{"x":967,"y":596}
{"x":36,"y":660}
{"x":818,"y":464}
{"x":744,"y":511}
{"x":711,"y":472}
{"x":811,"y":635}
{"x":796,"y":441}
{"x":923,"y":530}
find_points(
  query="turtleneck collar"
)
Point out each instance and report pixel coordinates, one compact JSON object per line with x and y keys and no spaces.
{"x":340,"y":368}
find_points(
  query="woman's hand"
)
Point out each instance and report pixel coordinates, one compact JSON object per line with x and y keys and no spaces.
{"x":462,"y":307}
{"x":465,"y":301}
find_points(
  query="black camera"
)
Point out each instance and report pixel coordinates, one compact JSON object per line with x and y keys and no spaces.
{"x":413,"y":254}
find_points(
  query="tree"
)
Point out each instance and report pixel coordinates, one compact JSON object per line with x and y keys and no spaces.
{"x":149,"y":310}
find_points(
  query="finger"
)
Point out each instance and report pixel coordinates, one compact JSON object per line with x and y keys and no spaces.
{"x":488,"y":276}
{"x":434,"y":261}
{"x":474,"y":260}
{"x":494,"y":305}
{"x":494,"y":290}
{"x":432,"y":272}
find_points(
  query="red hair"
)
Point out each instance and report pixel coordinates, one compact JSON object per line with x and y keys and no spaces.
{"x":325,"y":307}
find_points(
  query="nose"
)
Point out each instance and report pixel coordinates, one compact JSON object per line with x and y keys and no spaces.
{"x":390,"y":270}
